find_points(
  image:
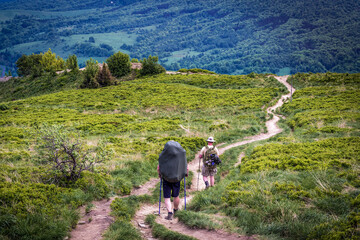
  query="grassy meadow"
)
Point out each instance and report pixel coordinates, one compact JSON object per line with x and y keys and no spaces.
{"x":301,"y":184}
{"x":134,"y":118}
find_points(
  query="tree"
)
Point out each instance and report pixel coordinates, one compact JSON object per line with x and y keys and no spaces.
{"x":29,"y":65}
{"x":119,"y":64}
{"x":90,"y":72}
{"x":51,"y":63}
{"x":103,"y":77}
{"x":150,"y":66}
{"x":72,"y":63}
{"x":92,"y":39}
{"x":8,"y":74}
{"x":66,"y":155}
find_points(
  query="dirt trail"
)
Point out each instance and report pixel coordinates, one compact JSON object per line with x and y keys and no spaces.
{"x":93,"y":224}
{"x":100,"y":218}
{"x":271,"y":125}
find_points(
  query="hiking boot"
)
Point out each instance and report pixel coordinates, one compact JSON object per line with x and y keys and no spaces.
{"x":169,"y":216}
{"x":207,"y":185}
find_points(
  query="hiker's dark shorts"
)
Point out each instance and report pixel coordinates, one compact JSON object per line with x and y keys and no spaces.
{"x":208,"y":171}
{"x":169,"y":188}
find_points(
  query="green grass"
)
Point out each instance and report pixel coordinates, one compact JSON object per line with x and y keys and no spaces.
{"x":121,"y":230}
{"x":300,"y":184}
{"x":136,"y":118}
{"x":196,"y":220}
{"x":161,"y":232}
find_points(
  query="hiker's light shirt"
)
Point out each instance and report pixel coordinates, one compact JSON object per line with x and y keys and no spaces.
{"x":203,"y":150}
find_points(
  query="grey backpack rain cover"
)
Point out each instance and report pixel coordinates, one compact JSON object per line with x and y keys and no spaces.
{"x":172,"y":162}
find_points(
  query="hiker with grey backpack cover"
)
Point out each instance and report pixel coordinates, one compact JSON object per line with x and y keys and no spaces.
{"x":172,"y":169}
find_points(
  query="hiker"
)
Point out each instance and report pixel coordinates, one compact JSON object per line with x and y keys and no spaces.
{"x":172,"y":169}
{"x":210,"y":156}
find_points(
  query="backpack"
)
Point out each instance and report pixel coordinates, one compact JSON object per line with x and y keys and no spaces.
{"x":172,"y":162}
{"x":210,"y":159}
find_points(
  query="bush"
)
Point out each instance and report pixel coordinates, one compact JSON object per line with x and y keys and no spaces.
{"x":119,"y":64}
{"x":29,"y":65}
{"x":90,"y":72}
{"x":94,"y":184}
{"x":67,"y":156}
{"x":103,"y":77}
{"x":4,"y":107}
{"x":150,"y":66}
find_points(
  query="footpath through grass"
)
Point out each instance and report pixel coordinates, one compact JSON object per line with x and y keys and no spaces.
{"x":135,"y":119}
{"x":304,"y":183}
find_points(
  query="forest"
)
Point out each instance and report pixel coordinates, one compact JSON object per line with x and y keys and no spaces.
{"x":228,"y":37}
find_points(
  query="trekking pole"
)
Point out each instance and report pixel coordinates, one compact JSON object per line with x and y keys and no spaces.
{"x":198,"y":176}
{"x":160,"y":195}
{"x":185,"y":191}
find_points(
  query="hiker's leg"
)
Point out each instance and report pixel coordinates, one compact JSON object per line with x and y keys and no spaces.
{"x":212,"y":176}
{"x":175,"y":194}
{"x":212,"y":180}
{"x":176,"y":203}
{"x":205,"y":174}
{"x":167,"y":194}
{"x":168,"y":204}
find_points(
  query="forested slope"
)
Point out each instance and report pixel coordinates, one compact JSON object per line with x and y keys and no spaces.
{"x":228,"y":36}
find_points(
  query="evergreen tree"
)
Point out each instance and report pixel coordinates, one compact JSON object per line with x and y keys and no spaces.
{"x":29,"y":65}
{"x":90,"y":72}
{"x":150,"y":66}
{"x":119,"y":64}
{"x":103,"y":77}
{"x":8,"y":74}
{"x":51,"y":63}
{"x":72,"y":63}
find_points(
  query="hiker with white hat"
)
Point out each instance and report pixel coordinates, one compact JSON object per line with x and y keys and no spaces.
{"x":210,"y":156}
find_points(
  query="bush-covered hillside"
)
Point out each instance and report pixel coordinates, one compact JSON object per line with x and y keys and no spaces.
{"x":230,"y":36}
{"x":130,"y":122}
{"x":304,"y":183}
{"x":301,"y":184}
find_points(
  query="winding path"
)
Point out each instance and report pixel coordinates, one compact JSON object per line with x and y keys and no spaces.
{"x":100,"y":219}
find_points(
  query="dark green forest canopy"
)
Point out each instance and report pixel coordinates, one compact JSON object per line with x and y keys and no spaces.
{"x":230,"y":36}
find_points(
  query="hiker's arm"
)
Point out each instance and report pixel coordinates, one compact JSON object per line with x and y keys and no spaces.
{"x":201,"y":155}
{"x":158,"y":170}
